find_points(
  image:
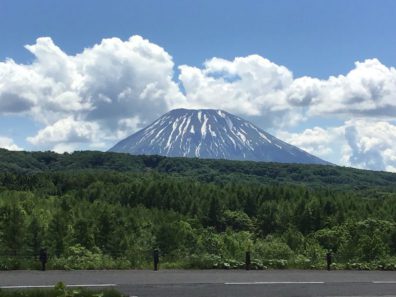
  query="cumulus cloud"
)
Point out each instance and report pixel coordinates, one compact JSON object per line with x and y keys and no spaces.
{"x":359,"y":143}
{"x":271,"y":96}
{"x":372,"y":144}
{"x":8,"y":144}
{"x":317,"y":141}
{"x":113,"y":86}
{"x":367,"y":90}
{"x":303,"y":91}
{"x":67,"y":130}
{"x":252,"y":86}
{"x":106,"y":92}
{"x":127,"y":79}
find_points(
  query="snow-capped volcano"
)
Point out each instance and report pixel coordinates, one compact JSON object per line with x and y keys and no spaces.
{"x":214,"y":134}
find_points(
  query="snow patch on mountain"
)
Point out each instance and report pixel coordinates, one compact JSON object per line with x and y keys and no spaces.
{"x":208,"y":133}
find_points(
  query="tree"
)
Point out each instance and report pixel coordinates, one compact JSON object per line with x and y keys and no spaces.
{"x":83,"y":234}
{"x":237,"y":220}
{"x":57,"y":232}
{"x":215,"y":214}
{"x":34,"y":236}
{"x":105,"y":228}
{"x":268,"y":218}
{"x":12,"y":228}
{"x":251,"y":206}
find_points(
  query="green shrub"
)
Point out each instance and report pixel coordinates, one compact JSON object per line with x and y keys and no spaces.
{"x":301,"y":262}
{"x":78,"y":257}
{"x":272,"y":249}
{"x":60,"y":290}
{"x":276,"y":263}
{"x":205,"y":261}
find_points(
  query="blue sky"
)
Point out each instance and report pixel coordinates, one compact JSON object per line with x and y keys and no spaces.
{"x":317,"y":39}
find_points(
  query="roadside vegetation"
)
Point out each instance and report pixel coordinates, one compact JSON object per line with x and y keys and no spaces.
{"x":95,"y":210}
{"x":60,"y":290}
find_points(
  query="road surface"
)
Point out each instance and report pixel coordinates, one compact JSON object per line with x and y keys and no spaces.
{"x":214,"y":283}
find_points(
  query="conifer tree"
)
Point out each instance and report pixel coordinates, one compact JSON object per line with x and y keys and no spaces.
{"x":12,"y":228}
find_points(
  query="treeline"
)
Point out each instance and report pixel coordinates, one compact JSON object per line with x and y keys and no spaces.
{"x":205,"y":170}
{"x":98,"y":218}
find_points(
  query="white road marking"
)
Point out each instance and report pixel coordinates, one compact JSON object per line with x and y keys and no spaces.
{"x":52,"y":286}
{"x":296,"y":283}
{"x":93,"y":285}
{"x":271,"y":283}
{"x":384,"y":282}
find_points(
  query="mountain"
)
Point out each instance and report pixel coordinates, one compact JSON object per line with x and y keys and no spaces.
{"x":211,"y":134}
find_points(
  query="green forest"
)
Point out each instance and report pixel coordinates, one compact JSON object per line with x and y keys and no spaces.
{"x":94,"y":210}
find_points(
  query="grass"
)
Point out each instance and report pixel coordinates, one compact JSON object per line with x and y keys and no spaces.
{"x":60,"y":290}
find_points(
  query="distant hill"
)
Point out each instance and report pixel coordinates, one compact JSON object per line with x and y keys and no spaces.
{"x":211,"y":134}
{"x":218,"y":171}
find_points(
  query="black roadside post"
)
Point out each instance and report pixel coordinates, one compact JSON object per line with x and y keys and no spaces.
{"x":43,"y":258}
{"x":329,"y":260}
{"x":156,"y":259}
{"x":247,"y":260}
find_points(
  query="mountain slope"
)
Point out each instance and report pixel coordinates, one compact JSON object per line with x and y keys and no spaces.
{"x":213,"y":134}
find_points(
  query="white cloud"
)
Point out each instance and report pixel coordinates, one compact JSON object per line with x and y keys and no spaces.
{"x":268,"y":94}
{"x":372,"y":144}
{"x":316,"y":141}
{"x":360,"y":143}
{"x":127,"y":79}
{"x":61,"y":148}
{"x":67,"y":131}
{"x":8,"y":143}
{"x":367,"y":90}
{"x":251,"y":86}
{"x":106,"y":86}
{"x":303,"y":91}
{"x":106,"y":92}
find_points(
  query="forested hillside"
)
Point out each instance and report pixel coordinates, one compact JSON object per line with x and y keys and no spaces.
{"x":108,"y":210}
{"x":218,"y":171}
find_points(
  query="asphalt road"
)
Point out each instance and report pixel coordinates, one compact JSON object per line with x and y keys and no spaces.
{"x":211,"y":283}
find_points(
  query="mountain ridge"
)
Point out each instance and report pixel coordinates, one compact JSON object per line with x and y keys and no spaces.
{"x":211,"y":134}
